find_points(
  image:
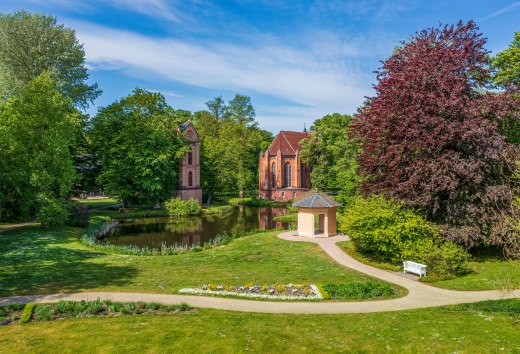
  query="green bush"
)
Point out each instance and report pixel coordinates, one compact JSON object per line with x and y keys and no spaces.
{"x":384,"y":227}
{"x":51,"y":212}
{"x":442,"y":257}
{"x":27,"y":313}
{"x":78,"y":214}
{"x":179,"y":207}
{"x":388,"y":231}
{"x":217,"y":210}
{"x":358,"y":290}
{"x":42,"y":313}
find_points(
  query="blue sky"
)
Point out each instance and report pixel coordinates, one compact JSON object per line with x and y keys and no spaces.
{"x":298,"y":60}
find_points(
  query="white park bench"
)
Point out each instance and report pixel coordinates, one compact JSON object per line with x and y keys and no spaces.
{"x":414,"y":267}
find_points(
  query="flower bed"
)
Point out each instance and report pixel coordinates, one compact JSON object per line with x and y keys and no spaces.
{"x":279,"y":291}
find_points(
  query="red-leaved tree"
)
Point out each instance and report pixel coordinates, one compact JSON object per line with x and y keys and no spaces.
{"x":431,"y":135}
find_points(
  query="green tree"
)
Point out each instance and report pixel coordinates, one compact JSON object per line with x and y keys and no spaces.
{"x":506,"y":65}
{"x":138,"y":146}
{"x":331,"y":154}
{"x":31,"y":44}
{"x":38,"y":129}
{"x":231,"y":142}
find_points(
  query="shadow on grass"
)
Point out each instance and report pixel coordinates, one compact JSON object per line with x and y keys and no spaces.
{"x":34,"y":260}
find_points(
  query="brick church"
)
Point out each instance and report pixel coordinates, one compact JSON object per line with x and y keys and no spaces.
{"x":189,"y":174}
{"x":282,"y":174}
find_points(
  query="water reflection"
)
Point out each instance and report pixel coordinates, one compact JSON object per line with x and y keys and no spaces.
{"x":152,"y":232}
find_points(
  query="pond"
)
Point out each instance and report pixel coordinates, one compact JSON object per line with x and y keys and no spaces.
{"x":152,"y":232}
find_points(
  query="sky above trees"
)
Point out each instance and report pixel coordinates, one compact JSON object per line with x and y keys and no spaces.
{"x":298,"y":60}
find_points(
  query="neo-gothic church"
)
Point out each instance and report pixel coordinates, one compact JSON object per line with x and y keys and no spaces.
{"x":283,"y":176}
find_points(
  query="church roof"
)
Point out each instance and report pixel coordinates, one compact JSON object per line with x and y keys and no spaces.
{"x":287,"y":142}
{"x":316,"y":200}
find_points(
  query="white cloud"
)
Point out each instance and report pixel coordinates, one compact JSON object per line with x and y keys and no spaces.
{"x":313,"y":82}
{"x":501,"y":11}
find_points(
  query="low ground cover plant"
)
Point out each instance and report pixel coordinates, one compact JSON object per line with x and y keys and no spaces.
{"x":179,"y":207}
{"x":254,"y":202}
{"x":13,"y":313}
{"x":358,"y":290}
{"x":388,"y":231}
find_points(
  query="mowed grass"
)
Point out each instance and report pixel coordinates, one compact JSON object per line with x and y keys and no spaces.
{"x":485,"y":271}
{"x":40,"y":261}
{"x":98,"y":202}
{"x":211,"y":331}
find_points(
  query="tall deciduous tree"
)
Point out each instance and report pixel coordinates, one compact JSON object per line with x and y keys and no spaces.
{"x":431,"y":138}
{"x":506,"y":65}
{"x":331,"y":154}
{"x":138,"y":146}
{"x":38,"y":129}
{"x":231,"y":142}
{"x":31,"y":44}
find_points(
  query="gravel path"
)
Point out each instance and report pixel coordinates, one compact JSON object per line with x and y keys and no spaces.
{"x":420,"y":295}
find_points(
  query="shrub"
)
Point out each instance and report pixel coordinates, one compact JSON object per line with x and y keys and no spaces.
{"x":383,"y":227}
{"x":218,"y":210}
{"x":358,"y":290}
{"x":78,"y":214}
{"x":27,"y":313}
{"x":42,"y":313}
{"x":387,"y":230}
{"x":442,"y":258}
{"x":179,"y":207}
{"x":51,"y":212}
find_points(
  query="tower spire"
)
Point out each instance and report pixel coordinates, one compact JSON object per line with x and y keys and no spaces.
{"x":304,"y":128}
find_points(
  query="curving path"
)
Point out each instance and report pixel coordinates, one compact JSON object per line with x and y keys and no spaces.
{"x":420,"y":295}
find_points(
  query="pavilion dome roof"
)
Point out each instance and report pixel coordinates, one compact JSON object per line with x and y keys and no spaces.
{"x":316,"y":200}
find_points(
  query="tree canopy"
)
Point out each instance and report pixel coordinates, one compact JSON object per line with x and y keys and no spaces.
{"x":430,"y":136}
{"x":138,"y":146}
{"x":38,"y":129}
{"x":506,"y":65}
{"x":31,"y":44}
{"x":231,"y":142}
{"x":331,"y":154}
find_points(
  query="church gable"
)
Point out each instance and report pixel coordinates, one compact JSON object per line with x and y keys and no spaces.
{"x":287,"y":143}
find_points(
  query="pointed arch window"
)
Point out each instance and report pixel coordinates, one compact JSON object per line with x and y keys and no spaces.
{"x":287,"y":175}
{"x":190,"y":179}
{"x":273,"y":175}
{"x":190,"y":158}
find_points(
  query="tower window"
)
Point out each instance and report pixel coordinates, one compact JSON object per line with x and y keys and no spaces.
{"x":190,"y":158}
{"x":190,"y":179}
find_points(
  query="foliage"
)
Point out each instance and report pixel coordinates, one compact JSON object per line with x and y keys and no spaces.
{"x":358,"y":290}
{"x":179,"y":207}
{"x":27,"y":313}
{"x":443,"y":258}
{"x":389,"y":231}
{"x":230,"y":144}
{"x":138,"y":148}
{"x":38,"y":129}
{"x":52,"y":212}
{"x":331,"y":154}
{"x":255,"y":202}
{"x":31,"y":44}
{"x":217,"y":210}
{"x":506,"y":66}
{"x":431,"y":138}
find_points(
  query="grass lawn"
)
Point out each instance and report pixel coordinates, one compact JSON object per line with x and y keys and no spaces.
{"x":38,"y":261}
{"x":98,"y":203}
{"x":419,"y":331}
{"x":486,"y":272}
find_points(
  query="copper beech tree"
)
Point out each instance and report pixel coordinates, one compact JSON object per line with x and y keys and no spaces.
{"x":431,"y":135}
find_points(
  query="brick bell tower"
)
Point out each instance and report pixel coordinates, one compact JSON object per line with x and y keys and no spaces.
{"x":189,"y":174}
